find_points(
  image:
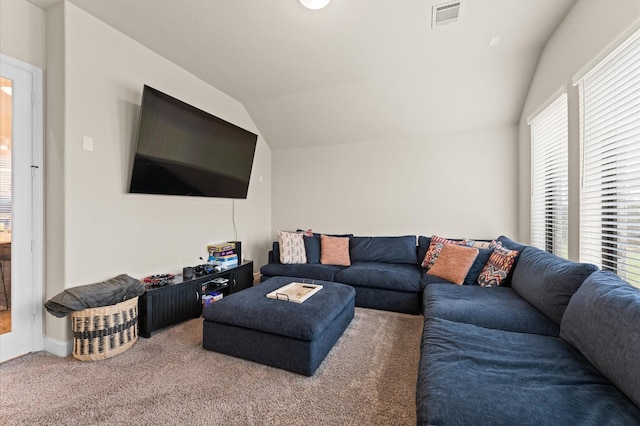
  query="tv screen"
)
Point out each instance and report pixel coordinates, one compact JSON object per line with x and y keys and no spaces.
{"x":182,"y":150}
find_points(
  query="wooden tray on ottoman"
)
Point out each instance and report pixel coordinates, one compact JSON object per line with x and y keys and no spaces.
{"x":295,"y":292}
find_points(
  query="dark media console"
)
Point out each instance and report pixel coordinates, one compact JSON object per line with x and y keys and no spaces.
{"x":182,"y":299}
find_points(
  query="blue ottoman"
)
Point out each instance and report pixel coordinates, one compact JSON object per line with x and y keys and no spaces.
{"x":292,"y":336}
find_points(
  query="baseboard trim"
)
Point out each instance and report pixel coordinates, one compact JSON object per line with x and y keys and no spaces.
{"x":58,"y":347}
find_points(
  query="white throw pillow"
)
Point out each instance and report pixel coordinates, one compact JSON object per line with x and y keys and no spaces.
{"x":291,"y":247}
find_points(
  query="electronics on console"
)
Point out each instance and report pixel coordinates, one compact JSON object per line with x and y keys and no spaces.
{"x":231,"y":252}
{"x":159,"y":280}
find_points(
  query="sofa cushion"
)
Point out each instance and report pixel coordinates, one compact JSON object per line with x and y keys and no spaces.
{"x":602,"y":321}
{"x":454,"y":262}
{"x":478,"y":265}
{"x":423,"y":246}
{"x":334,"y":250}
{"x":312,"y":248}
{"x":548,"y":281}
{"x":470,"y":375}
{"x":498,"y":267}
{"x":389,"y":276}
{"x":291,"y":247}
{"x":431,"y":279}
{"x":274,"y":254}
{"x":389,"y":300}
{"x":384,"y":249}
{"x":313,"y":271}
{"x":510,"y":244}
{"x":499,"y":307}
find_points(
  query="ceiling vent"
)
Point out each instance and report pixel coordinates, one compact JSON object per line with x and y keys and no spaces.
{"x":445,"y":14}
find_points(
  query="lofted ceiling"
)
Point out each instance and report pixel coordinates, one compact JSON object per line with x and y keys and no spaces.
{"x":356,"y":71}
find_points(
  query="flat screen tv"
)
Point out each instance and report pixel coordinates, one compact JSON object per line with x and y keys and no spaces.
{"x":182,"y":150}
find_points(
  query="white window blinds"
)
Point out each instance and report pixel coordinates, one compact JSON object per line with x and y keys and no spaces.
{"x":5,"y":189}
{"x":549,"y":179}
{"x":610,"y":187}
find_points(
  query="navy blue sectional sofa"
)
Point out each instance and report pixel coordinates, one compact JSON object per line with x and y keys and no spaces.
{"x":557,"y":343}
{"x":384,"y":271}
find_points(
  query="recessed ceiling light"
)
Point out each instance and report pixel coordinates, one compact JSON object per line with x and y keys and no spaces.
{"x":314,"y":4}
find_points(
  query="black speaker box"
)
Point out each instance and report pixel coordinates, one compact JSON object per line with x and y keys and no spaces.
{"x":187,"y":273}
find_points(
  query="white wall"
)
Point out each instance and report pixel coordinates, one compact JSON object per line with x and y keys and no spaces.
{"x":455,"y":185}
{"x":104,"y":230}
{"x":22,"y":29}
{"x":589,"y":29}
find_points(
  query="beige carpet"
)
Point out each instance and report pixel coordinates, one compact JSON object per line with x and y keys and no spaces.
{"x":368,"y":378}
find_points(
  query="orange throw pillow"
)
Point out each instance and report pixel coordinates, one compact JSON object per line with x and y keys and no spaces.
{"x":454,"y":262}
{"x":434,"y":250}
{"x":334,"y":251}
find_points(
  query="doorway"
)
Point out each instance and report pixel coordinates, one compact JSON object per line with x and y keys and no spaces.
{"x":21,"y":208}
{"x":6,"y":90}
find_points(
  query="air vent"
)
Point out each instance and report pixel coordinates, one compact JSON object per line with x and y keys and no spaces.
{"x":445,"y":14}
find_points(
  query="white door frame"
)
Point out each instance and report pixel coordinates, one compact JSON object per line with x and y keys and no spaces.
{"x":37,"y":163}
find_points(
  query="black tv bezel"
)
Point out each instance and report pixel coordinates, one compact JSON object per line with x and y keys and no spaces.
{"x":224,"y":188}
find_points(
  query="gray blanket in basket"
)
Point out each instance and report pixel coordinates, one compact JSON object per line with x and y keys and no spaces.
{"x":106,"y":293}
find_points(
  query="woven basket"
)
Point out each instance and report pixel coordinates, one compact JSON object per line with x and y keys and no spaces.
{"x":103,"y":332}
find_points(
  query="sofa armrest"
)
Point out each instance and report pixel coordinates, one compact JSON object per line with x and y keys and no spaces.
{"x":274,"y":253}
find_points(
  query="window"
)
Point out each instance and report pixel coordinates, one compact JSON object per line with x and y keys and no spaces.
{"x":610,"y":150}
{"x":5,"y":154}
{"x":5,"y":189}
{"x":550,"y":179}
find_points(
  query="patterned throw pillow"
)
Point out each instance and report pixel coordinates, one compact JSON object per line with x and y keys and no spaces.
{"x":454,"y":262}
{"x":435,"y":247}
{"x":497,"y":268}
{"x":482,"y":244}
{"x":334,"y":250}
{"x":291,"y":247}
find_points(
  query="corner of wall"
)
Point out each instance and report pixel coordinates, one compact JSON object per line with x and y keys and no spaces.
{"x":55,"y":166}
{"x":58,"y":347}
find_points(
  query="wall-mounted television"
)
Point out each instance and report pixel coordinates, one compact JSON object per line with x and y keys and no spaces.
{"x":182,"y":150}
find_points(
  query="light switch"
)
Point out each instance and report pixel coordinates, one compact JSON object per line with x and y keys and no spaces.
{"x":87,"y":143}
